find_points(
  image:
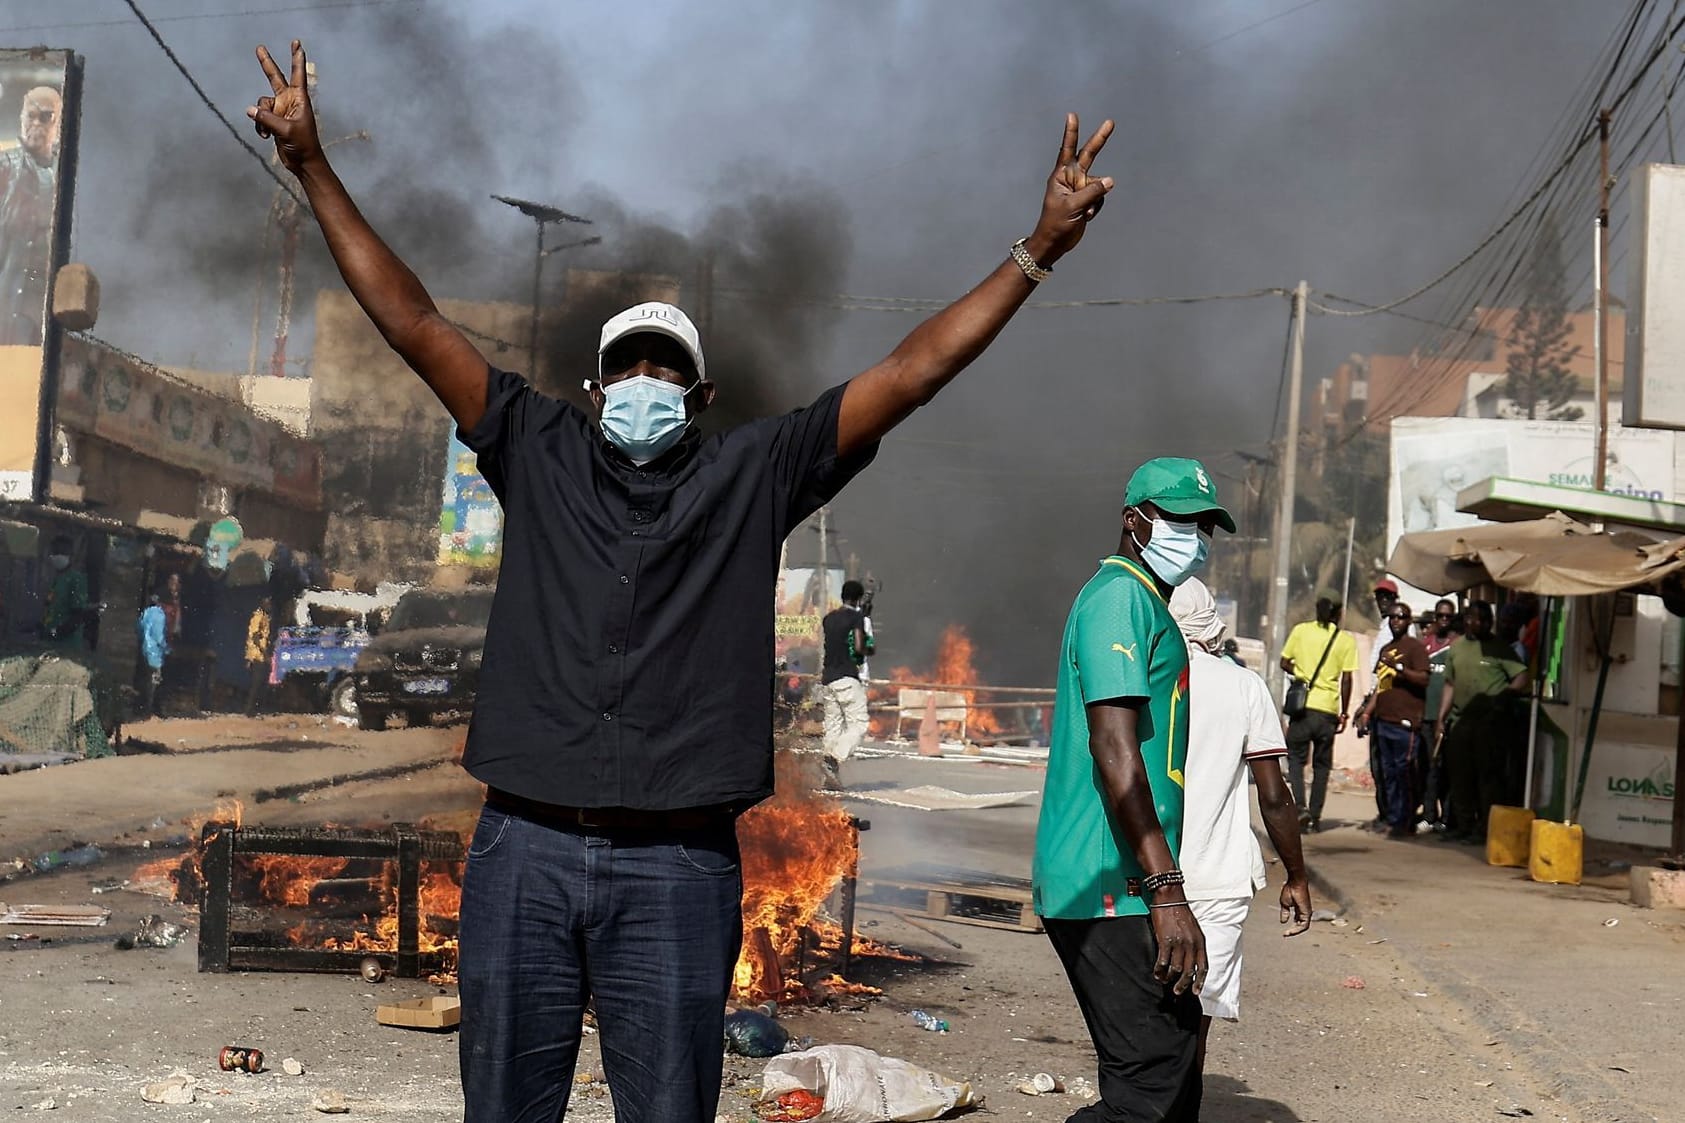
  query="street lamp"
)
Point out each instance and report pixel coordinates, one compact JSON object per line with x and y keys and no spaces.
{"x":542,"y":215}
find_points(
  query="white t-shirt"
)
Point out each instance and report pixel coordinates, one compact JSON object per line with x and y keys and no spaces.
{"x":1232,"y":721}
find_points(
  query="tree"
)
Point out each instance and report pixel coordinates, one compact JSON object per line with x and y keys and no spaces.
{"x":1539,"y":381}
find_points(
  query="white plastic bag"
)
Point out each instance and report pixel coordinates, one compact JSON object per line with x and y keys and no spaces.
{"x":859,"y":1086}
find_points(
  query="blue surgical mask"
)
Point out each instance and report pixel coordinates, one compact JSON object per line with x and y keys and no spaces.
{"x":644,"y":416}
{"x":1175,"y":552}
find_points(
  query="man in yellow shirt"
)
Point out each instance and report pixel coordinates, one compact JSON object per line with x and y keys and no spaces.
{"x":257,"y":652}
{"x":1322,"y":655}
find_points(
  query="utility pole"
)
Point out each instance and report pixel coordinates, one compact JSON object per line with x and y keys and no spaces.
{"x":824,"y":560}
{"x":543,"y":215}
{"x":1601,"y":464}
{"x":1289,"y":482}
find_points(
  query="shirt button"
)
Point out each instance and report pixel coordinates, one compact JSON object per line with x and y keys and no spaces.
{"x":625,"y":580}
{"x":608,"y":717}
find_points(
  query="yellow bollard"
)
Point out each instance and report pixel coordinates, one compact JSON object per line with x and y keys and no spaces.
{"x":1509,"y":835}
{"x":1558,"y":852}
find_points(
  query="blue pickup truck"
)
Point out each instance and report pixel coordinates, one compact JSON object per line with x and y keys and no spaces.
{"x":314,"y":656}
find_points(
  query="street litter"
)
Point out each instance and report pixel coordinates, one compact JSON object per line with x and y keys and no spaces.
{"x":77,"y":916}
{"x":1353,"y":982}
{"x":750,"y":1033}
{"x":1041,"y":1084}
{"x":928,"y":1022}
{"x":1341,"y":922}
{"x":857,"y":1085}
{"x":1324,"y":915}
{"x":108,"y":885}
{"x":372,"y":969}
{"x":330,"y":1102}
{"x":67,"y":859}
{"x":238,"y":1058}
{"x":791,"y":1107}
{"x":176,"y":1088}
{"x":1611,"y":922}
{"x":154,"y":932}
{"x":47,"y":1104}
{"x":291,"y":1067}
{"x":437,"y":1012}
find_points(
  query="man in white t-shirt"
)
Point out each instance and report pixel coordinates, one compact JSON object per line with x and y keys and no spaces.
{"x":1233,"y":726}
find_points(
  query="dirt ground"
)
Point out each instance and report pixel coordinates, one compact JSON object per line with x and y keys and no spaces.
{"x":84,"y":1026}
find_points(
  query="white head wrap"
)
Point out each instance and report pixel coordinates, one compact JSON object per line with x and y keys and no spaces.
{"x":1195,"y":612}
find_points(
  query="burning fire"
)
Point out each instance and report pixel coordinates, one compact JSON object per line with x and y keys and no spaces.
{"x":796,"y":851}
{"x":300,"y":882}
{"x":179,"y":878}
{"x":953,"y":668}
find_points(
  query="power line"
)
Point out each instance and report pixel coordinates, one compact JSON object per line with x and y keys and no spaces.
{"x":1584,"y":139}
{"x":1565,"y":183}
{"x":1249,"y":27}
{"x":211,"y":105}
{"x":331,"y":6}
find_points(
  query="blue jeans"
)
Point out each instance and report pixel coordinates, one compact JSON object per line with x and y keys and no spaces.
{"x":1395,"y":749}
{"x":646,"y":923}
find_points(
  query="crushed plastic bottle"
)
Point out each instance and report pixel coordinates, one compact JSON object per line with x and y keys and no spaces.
{"x":65,"y":859}
{"x":925,"y":1021}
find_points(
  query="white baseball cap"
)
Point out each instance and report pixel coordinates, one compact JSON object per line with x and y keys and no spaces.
{"x":654,"y":316}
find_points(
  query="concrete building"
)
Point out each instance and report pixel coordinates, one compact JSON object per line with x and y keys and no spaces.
{"x":1466,"y":379}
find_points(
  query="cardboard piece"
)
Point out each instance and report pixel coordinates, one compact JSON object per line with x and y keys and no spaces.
{"x":80,"y":916}
{"x":441,"y":1011}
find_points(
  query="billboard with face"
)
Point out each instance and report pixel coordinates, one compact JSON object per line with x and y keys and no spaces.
{"x":37,"y":95}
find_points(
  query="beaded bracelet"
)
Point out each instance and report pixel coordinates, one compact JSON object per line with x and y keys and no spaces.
{"x":1158,"y":881}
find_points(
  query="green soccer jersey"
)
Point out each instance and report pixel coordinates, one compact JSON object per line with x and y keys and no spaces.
{"x":1120,"y":642}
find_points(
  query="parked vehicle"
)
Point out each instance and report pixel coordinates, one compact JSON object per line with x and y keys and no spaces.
{"x":317,"y":653}
{"x":426,"y":661}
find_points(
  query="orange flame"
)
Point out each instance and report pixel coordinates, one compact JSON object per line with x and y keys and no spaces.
{"x":953,"y":665}
{"x":796,"y":849}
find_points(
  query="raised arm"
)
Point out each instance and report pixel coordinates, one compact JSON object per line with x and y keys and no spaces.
{"x":1115,"y":743}
{"x":388,"y":291}
{"x":882,"y":397}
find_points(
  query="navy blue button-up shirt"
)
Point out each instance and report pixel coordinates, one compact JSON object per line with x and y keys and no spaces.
{"x":629,"y":658}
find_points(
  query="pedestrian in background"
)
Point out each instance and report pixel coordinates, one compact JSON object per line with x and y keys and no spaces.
{"x":1323,"y":657}
{"x":847,"y":644}
{"x":153,"y":628}
{"x":259,"y":626}
{"x":1392,"y":716}
{"x":1443,"y":632}
{"x":1234,"y":730}
{"x":1485,"y":681}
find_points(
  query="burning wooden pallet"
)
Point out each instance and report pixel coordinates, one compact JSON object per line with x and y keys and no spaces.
{"x":960,"y":895}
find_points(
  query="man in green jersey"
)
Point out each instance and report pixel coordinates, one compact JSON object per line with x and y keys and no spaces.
{"x":1105,"y":879}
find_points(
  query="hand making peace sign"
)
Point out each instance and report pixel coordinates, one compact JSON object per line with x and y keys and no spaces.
{"x":1073,"y":196}
{"x":287,"y":115}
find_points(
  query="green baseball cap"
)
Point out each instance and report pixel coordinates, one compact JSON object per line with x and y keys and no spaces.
{"x":1177,"y":485}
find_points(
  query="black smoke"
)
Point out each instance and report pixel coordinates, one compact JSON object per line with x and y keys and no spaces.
{"x":887,"y":149}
